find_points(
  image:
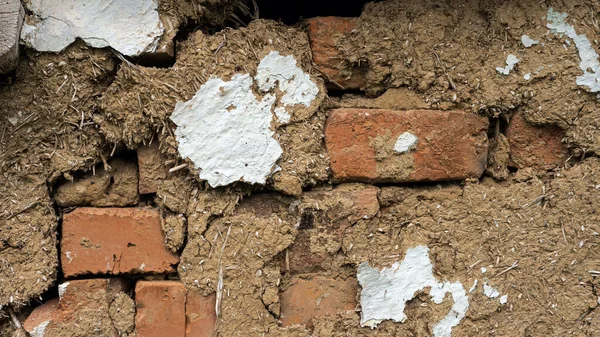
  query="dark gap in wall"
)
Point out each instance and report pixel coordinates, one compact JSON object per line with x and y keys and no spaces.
{"x":292,"y":11}
{"x":333,"y":92}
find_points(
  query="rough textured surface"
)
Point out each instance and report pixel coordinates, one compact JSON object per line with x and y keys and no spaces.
{"x":174,"y":228}
{"x":115,"y":186}
{"x":131,"y":27}
{"x":114,"y":241}
{"x":361,"y":142}
{"x":535,"y":146}
{"x":122,"y":314}
{"x":160,"y":309}
{"x":82,"y":310}
{"x":324,"y":33}
{"x":151,"y":166}
{"x":316,"y":296}
{"x":11,"y":20}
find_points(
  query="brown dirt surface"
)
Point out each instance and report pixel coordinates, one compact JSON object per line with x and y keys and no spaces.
{"x":140,"y":100}
{"x":448,"y":51}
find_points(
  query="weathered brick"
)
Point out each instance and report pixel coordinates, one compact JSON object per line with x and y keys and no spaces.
{"x":324,"y":215}
{"x":151,"y":166}
{"x":535,"y":146}
{"x":323,"y":34}
{"x":451,"y":145}
{"x":81,"y":309}
{"x":117,"y":186}
{"x":160,"y":309}
{"x":114,"y":241}
{"x":317,"y":296}
{"x":200,"y":315}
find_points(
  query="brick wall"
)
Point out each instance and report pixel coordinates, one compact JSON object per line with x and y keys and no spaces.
{"x":124,"y":224}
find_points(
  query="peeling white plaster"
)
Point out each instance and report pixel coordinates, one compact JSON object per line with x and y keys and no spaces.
{"x":527,"y":76}
{"x":385,"y":293}
{"x":405,"y":142}
{"x":503,"y":299}
{"x":68,"y":255}
{"x":129,"y":26}
{"x":282,"y":71}
{"x":589,"y":58}
{"x":224,"y":131}
{"x":39,"y":330}
{"x":483,"y":270}
{"x":511,"y":61}
{"x":490,"y":291}
{"x":528,"y":42}
{"x":225,"y":128}
{"x":62,"y":288}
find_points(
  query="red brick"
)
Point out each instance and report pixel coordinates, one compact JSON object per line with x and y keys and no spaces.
{"x":535,"y":146}
{"x":452,"y":145}
{"x":200,"y":314}
{"x":160,"y":309}
{"x":151,"y":166}
{"x":316,"y":296}
{"x":114,"y":241}
{"x":323,"y":34}
{"x":83,"y":305}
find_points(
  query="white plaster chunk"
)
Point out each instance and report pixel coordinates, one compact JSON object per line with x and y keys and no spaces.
{"x":528,"y":42}
{"x":39,"y":330}
{"x":503,"y":299}
{"x":473,"y":287}
{"x":224,"y":131}
{"x":511,"y":61}
{"x":527,"y":76}
{"x":405,"y":142}
{"x":490,"y":291}
{"x":132,"y":27}
{"x":385,"y":293}
{"x":589,"y":58}
{"x":282,"y":115}
{"x":62,"y":288}
{"x":283,"y":72}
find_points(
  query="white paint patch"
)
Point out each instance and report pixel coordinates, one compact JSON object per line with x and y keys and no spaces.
{"x":68,"y":255}
{"x":483,"y":270}
{"x":527,"y":76}
{"x":282,"y":71}
{"x":528,"y":42}
{"x":503,"y":299}
{"x":511,"y":61}
{"x":129,"y":26}
{"x":385,"y":293}
{"x":490,"y":291}
{"x":405,"y":142}
{"x":62,"y":288}
{"x":224,"y":130}
{"x":589,"y":58}
{"x":39,"y":330}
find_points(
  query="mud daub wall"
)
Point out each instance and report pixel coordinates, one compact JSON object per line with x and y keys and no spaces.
{"x":423,"y":168}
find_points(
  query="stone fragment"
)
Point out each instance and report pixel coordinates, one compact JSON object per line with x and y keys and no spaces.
{"x":200,"y":316}
{"x":174,"y":228}
{"x":132,"y":27}
{"x":114,"y":241}
{"x":160,"y":309}
{"x":151,"y":168}
{"x":316,"y":296}
{"x":323,"y":34}
{"x":535,"y":146}
{"x":11,"y":20}
{"x":452,"y":145}
{"x":116,"y":187}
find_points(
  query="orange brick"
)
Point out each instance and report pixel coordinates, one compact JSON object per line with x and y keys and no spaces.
{"x":160,"y":309}
{"x":200,"y":314}
{"x":114,"y":241}
{"x":317,"y":296}
{"x":83,"y":305}
{"x":535,"y":146}
{"x":451,"y":145}
{"x":151,"y":166}
{"x":323,"y":34}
